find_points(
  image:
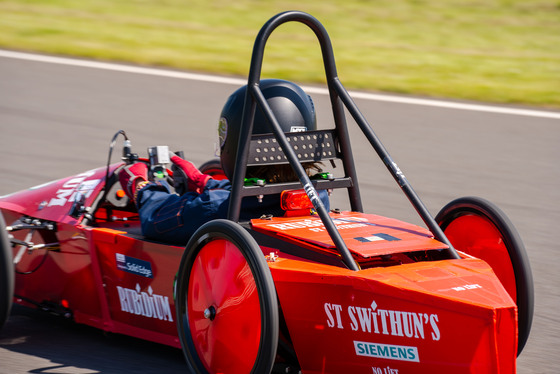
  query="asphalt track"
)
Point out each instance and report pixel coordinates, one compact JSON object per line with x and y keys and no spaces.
{"x":57,"y":120}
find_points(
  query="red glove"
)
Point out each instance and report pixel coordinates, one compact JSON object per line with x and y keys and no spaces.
{"x":196,"y":180}
{"x":131,"y":176}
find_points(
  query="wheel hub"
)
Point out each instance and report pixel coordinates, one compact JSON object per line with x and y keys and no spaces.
{"x":210,"y":313}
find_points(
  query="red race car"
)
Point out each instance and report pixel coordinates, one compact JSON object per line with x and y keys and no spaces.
{"x":310,"y":291}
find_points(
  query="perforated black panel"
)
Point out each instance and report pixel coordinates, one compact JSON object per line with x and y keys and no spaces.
{"x":309,"y":146}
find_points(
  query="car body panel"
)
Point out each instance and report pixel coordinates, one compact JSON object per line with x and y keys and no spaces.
{"x":451,"y":314}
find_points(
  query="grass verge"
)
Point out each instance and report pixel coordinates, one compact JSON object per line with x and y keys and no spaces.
{"x":503,"y":51}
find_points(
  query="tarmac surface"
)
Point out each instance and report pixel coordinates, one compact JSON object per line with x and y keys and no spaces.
{"x":57,"y":121}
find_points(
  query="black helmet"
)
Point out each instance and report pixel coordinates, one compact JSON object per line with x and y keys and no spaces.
{"x":292,"y":107}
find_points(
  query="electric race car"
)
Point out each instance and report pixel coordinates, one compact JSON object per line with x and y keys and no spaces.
{"x":310,"y":291}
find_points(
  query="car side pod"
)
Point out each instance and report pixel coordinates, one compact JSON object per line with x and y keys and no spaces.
{"x":480,"y":229}
{"x":6,"y":274}
{"x":224,"y":289}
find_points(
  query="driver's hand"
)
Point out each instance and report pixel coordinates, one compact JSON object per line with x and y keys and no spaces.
{"x":196,"y":180}
{"x":131,"y":176}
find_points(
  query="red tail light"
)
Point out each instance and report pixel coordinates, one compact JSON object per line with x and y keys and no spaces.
{"x":295,"y":200}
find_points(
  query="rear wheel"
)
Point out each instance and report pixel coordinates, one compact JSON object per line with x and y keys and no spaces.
{"x":227,"y":309}
{"x":6,"y":274}
{"x":479,"y":228}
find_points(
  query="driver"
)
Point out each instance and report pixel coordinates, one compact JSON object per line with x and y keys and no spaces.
{"x":167,"y":216}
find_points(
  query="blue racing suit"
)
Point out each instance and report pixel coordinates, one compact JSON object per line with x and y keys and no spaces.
{"x":172,"y":218}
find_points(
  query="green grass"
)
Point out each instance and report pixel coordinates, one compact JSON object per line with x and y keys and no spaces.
{"x":504,"y":51}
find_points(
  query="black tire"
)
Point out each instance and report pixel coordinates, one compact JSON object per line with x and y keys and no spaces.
{"x":474,"y":206}
{"x":232,"y":240}
{"x":213,"y":168}
{"x":6,"y":274}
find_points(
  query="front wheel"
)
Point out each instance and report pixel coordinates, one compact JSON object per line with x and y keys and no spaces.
{"x":226,"y":303}
{"x":6,"y":274}
{"x":479,"y":228}
{"x":213,"y":168}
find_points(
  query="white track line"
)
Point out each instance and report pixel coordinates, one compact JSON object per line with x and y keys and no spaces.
{"x":239,"y":82}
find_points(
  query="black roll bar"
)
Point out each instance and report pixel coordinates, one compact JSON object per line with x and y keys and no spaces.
{"x":338,"y":96}
{"x":394,"y":169}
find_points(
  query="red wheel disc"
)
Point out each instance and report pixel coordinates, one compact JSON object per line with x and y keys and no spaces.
{"x":222,"y":286}
{"x":213,"y":168}
{"x":217,"y":174}
{"x":477,"y":236}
